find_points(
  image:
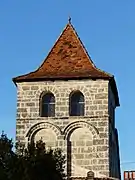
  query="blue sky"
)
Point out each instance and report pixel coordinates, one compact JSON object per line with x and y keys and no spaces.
{"x":28,"y":29}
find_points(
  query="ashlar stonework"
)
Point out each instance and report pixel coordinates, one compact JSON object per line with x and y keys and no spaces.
{"x":90,"y":142}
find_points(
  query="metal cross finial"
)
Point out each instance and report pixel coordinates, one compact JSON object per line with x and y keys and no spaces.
{"x":69,"y":19}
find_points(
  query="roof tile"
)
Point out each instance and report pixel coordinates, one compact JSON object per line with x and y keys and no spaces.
{"x":68,"y":58}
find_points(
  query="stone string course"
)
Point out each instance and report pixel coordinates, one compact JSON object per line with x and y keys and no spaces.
{"x":91,"y":150}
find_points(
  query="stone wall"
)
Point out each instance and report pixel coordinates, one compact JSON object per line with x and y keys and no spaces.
{"x":84,"y":140}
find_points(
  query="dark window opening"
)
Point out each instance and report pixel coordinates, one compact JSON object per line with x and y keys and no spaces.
{"x":48,"y":105}
{"x":76,"y":104}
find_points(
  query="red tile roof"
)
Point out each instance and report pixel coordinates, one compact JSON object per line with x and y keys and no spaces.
{"x":68,"y":59}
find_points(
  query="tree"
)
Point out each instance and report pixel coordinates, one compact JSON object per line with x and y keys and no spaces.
{"x":31,"y":163}
{"x":6,"y":156}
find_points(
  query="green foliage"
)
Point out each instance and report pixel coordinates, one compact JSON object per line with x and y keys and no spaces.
{"x":31,"y":163}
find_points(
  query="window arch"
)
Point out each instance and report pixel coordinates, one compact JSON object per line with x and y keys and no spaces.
{"x":76,"y":104}
{"x":47,"y":105}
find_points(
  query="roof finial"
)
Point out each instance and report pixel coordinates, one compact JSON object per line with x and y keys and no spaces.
{"x":69,"y":20}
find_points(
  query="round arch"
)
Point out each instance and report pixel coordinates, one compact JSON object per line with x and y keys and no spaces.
{"x":80,"y":89}
{"x":43,"y":93}
{"x":75,"y":91}
{"x":42,"y":125}
{"x":80,"y":124}
{"x":45,"y":90}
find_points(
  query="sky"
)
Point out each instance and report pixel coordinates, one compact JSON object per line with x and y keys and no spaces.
{"x":28,"y":30}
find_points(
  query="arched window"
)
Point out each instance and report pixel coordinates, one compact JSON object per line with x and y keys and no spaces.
{"x":47,"y":105}
{"x":76,"y":106}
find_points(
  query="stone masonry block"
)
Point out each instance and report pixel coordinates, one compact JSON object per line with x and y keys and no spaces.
{"x":101,"y":96}
{"x":98,"y":142}
{"x":96,"y":106}
{"x":25,"y":88}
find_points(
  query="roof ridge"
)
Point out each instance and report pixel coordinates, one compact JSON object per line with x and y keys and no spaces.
{"x":86,"y":52}
{"x":54,"y":44}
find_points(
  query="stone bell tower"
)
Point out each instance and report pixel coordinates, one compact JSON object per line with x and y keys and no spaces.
{"x":71,"y":103}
